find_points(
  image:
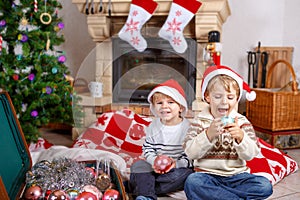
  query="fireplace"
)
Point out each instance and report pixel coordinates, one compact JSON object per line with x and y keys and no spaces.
{"x":104,"y":27}
{"x":136,"y":73}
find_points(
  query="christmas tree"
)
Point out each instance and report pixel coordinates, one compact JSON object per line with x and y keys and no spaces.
{"x":32,"y":68}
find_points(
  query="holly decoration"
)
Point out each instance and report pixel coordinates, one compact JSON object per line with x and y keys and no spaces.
{"x":30,"y":71}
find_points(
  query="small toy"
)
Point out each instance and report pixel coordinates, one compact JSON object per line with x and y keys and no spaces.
{"x":227,"y":120}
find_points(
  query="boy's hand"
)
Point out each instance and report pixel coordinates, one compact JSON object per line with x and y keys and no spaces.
{"x":235,"y":131}
{"x":163,"y":164}
{"x":215,"y":129}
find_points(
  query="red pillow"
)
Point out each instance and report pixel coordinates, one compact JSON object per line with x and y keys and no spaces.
{"x":272,"y":163}
{"x":121,"y":132}
{"x":40,"y":145}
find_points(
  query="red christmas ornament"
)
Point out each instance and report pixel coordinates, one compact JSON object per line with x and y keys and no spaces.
{"x":94,"y":190}
{"x":33,"y":193}
{"x":162,"y":163}
{"x":86,"y":196}
{"x":15,"y":77}
{"x":92,"y":171}
{"x":47,"y":193}
{"x":111,"y":194}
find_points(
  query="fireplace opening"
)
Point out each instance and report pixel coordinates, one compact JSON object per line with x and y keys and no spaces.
{"x":136,"y":73}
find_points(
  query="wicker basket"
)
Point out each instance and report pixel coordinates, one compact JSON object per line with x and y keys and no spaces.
{"x":275,"y":109}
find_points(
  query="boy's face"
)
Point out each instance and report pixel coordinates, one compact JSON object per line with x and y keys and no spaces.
{"x":167,"y":110}
{"x":221,"y":101}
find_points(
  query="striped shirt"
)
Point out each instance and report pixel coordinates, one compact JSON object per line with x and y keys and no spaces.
{"x":166,"y":140}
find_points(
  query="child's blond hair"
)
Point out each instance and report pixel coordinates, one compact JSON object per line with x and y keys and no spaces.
{"x":226,"y":81}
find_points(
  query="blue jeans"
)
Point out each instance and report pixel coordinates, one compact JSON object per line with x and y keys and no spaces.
{"x":145,"y":182}
{"x":240,"y":186}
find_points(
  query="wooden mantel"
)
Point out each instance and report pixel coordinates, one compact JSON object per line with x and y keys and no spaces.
{"x":211,"y":16}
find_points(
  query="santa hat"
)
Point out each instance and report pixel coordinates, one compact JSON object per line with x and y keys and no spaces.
{"x":173,"y":90}
{"x":213,"y":71}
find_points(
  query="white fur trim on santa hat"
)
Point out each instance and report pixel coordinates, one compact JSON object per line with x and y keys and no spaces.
{"x":251,"y":96}
{"x":218,"y":70}
{"x":171,"y":92}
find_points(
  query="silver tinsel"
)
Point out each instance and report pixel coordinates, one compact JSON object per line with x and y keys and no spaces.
{"x":60,"y":174}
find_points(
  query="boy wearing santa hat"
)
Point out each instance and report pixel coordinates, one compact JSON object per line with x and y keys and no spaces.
{"x":221,"y":140}
{"x":166,"y":166}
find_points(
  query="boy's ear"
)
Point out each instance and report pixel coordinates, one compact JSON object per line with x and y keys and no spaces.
{"x":181,"y":108}
{"x":207,"y":98}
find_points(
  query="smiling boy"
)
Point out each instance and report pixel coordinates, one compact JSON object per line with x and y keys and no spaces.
{"x":164,"y":139}
{"x":221,"y":140}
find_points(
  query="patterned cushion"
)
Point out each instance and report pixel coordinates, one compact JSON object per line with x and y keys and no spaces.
{"x":40,"y":145}
{"x":122,"y":132}
{"x":272,"y":163}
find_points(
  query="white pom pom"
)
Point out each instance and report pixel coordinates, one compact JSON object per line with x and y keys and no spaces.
{"x":251,"y":96}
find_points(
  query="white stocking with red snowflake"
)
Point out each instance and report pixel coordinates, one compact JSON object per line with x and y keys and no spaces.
{"x":172,"y":30}
{"x":137,"y":17}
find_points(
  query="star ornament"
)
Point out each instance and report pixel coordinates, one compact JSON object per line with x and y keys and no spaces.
{"x":24,"y":21}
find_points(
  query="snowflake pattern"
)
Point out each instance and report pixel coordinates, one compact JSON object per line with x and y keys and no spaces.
{"x":174,"y":26}
{"x":176,"y":40}
{"x":135,"y":40}
{"x":277,"y":170}
{"x":135,"y":13}
{"x":178,"y":13}
{"x":132,"y":26}
{"x":137,"y":132}
{"x":101,"y":120}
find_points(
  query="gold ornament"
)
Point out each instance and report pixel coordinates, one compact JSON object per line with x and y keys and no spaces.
{"x":46,"y":15}
{"x":56,"y":28}
{"x":48,"y":44}
{"x":24,"y":21}
{"x":103,"y":182}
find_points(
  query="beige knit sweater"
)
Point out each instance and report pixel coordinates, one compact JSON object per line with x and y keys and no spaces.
{"x":223,"y":156}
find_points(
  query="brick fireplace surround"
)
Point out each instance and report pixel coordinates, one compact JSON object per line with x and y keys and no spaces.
{"x":211,"y":16}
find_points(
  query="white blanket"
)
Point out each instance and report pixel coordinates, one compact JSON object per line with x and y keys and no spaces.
{"x":78,"y":154}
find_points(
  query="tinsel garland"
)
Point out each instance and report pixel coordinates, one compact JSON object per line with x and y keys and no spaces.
{"x":60,"y":174}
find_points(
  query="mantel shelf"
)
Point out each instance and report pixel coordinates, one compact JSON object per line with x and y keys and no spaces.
{"x":211,"y":16}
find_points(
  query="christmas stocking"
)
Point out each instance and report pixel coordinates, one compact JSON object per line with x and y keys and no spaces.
{"x":139,"y":13}
{"x":181,"y":12}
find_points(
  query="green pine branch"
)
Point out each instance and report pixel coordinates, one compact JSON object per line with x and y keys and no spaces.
{"x":30,"y":69}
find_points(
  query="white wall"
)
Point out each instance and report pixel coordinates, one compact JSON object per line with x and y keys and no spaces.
{"x":78,"y":43}
{"x":272,"y":22}
{"x":291,"y":32}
